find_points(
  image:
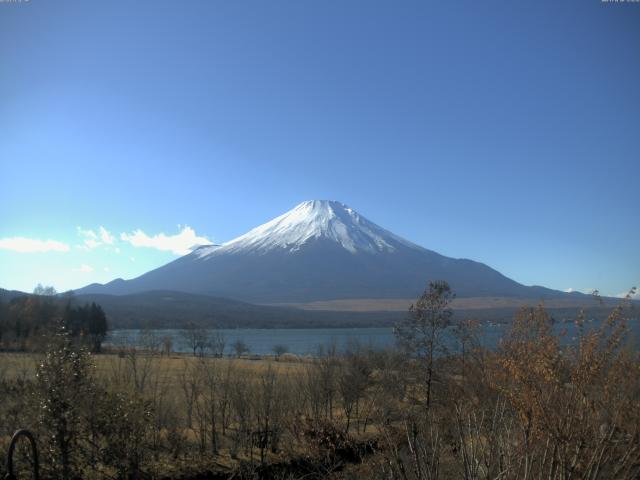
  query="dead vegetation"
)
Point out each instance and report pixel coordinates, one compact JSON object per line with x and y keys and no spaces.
{"x":538,"y":407}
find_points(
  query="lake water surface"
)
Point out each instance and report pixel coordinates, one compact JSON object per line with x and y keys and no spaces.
{"x":309,"y":341}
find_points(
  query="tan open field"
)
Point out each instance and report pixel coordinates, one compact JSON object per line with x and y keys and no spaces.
{"x":169,"y":368}
{"x":470,"y":303}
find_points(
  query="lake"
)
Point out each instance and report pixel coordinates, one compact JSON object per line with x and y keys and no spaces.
{"x":309,"y":341}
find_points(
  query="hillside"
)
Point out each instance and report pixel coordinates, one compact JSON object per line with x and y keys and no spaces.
{"x":171,"y":309}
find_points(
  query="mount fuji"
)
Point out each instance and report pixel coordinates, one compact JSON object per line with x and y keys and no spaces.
{"x":318,"y":251}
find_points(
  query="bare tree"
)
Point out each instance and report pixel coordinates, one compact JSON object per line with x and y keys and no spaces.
{"x":240,"y":347}
{"x":149,"y":341}
{"x":140,"y":367}
{"x":466,"y":332}
{"x":196,"y":338}
{"x":354,"y":378}
{"x":44,"y":291}
{"x":190,"y":386}
{"x":326,"y":369}
{"x":217,"y":343}
{"x":279,"y":350}
{"x":167,"y":345}
{"x":241,"y":411}
{"x":224,"y":396}
{"x":420,"y":333}
{"x":267,"y":410}
{"x":208,"y":402}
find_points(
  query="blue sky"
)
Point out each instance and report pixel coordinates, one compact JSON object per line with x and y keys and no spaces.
{"x":505,"y":132}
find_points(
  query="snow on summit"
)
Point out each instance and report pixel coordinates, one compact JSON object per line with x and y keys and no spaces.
{"x":319,"y":250}
{"x":312,"y":220}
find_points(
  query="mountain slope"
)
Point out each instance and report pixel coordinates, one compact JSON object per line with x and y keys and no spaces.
{"x":320,"y":250}
{"x":167,"y":309}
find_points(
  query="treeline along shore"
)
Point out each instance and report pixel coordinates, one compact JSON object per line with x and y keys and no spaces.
{"x":535,"y":407}
{"x":28,"y":321}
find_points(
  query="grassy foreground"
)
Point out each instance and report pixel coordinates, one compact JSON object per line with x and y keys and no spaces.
{"x":531,"y":409}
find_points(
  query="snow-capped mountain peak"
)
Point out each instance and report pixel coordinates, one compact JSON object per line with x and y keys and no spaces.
{"x":319,"y":250}
{"x":314,"y":220}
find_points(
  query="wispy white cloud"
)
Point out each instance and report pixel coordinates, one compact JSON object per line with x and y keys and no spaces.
{"x":32,"y":245}
{"x":84,"y":268}
{"x":93,"y":239}
{"x":105,"y":236}
{"x":179,"y":244}
{"x":587,"y":291}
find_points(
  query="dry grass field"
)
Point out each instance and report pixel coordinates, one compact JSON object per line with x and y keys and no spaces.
{"x":23,"y":365}
{"x":531,"y":409}
{"x":469,"y":303}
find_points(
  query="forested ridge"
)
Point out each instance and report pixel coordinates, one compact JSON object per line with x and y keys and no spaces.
{"x":27,"y":320}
